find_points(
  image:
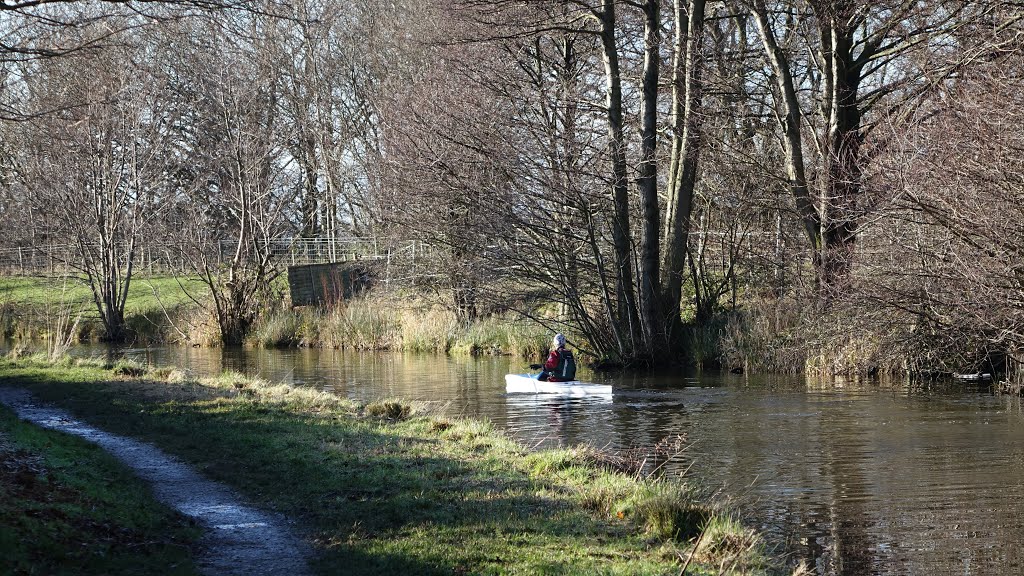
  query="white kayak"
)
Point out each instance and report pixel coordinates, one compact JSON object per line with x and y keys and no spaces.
{"x":528,"y":384}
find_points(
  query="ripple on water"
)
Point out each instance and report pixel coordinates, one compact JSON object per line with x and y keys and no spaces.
{"x":871,"y":480}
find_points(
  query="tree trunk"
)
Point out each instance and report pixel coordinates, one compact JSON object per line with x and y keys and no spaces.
{"x":654,"y":331}
{"x":627,"y":316}
{"x":686,"y":143}
{"x":843,"y":168}
{"x":789,"y":119}
{"x":310,"y":191}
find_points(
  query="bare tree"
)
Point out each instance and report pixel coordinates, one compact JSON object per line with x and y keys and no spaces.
{"x":94,"y":171}
{"x":862,"y":62}
{"x":687,"y":62}
{"x":947,"y":260}
{"x":233,"y":204}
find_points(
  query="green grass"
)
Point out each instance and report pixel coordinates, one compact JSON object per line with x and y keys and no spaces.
{"x":503,"y":335}
{"x":144,"y":294}
{"x":28,"y":305}
{"x":67,"y":507}
{"x":390,"y":488}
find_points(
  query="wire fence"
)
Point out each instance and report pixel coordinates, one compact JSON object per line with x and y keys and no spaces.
{"x":57,"y":259}
{"x":401,"y":261}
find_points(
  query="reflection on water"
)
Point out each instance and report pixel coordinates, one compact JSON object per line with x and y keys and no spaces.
{"x":856,"y":479}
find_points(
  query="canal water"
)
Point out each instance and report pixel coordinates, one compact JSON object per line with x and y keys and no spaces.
{"x":855,"y":479}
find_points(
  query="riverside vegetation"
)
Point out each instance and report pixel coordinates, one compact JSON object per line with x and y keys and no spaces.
{"x":768,"y":337}
{"x":169,"y":309}
{"x":764,"y":334}
{"x":389,"y":487}
{"x":33,"y":307}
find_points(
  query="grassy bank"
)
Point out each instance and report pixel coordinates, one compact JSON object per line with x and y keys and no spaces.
{"x":765,"y":334}
{"x":67,"y":507}
{"x":391,"y":488}
{"x":39,"y":307}
{"x":160,"y":310}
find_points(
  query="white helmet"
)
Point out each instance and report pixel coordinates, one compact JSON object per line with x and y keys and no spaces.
{"x":558,"y":341}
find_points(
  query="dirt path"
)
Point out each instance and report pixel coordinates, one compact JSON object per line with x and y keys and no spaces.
{"x":240,"y":539}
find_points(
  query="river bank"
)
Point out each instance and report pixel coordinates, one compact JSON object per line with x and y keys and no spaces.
{"x":171,"y":310}
{"x":391,"y":487}
{"x":762,"y":335}
{"x":61,"y":308}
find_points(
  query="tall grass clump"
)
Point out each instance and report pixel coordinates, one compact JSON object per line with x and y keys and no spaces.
{"x":8,"y":323}
{"x":293,"y":397}
{"x":153,"y":326}
{"x":198,"y":326}
{"x":277,"y":329}
{"x":429,"y":331}
{"x":25,"y":355}
{"x":704,"y":342}
{"x":854,"y":340}
{"x":502,"y":335}
{"x":484,"y":336}
{"x":606,"y":491}
{"x":528,"y":339}
{"x":549,"y":461}
{"x":230,"y":379}
{"x":670,"y":511}
{"x":469,"y":431}
{"x":383,"y":322}
{"x":725,"y":542}
{"x":128,"y":368}
{"x":390,"y":409}
{"x":359,"y":324}
{"x":796,"y":334}
{"x":848,"y":355}
{"x":62,"y":319}
{"x":767,"y":335}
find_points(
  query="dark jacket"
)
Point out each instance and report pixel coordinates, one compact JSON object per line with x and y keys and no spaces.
{"x":560,"y":366}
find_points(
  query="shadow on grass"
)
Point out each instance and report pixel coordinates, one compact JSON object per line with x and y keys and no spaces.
{"x":68,"y":507}
{"x":375,"y":498}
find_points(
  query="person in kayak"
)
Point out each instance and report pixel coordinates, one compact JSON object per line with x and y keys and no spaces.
{"x":561,"y":364}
